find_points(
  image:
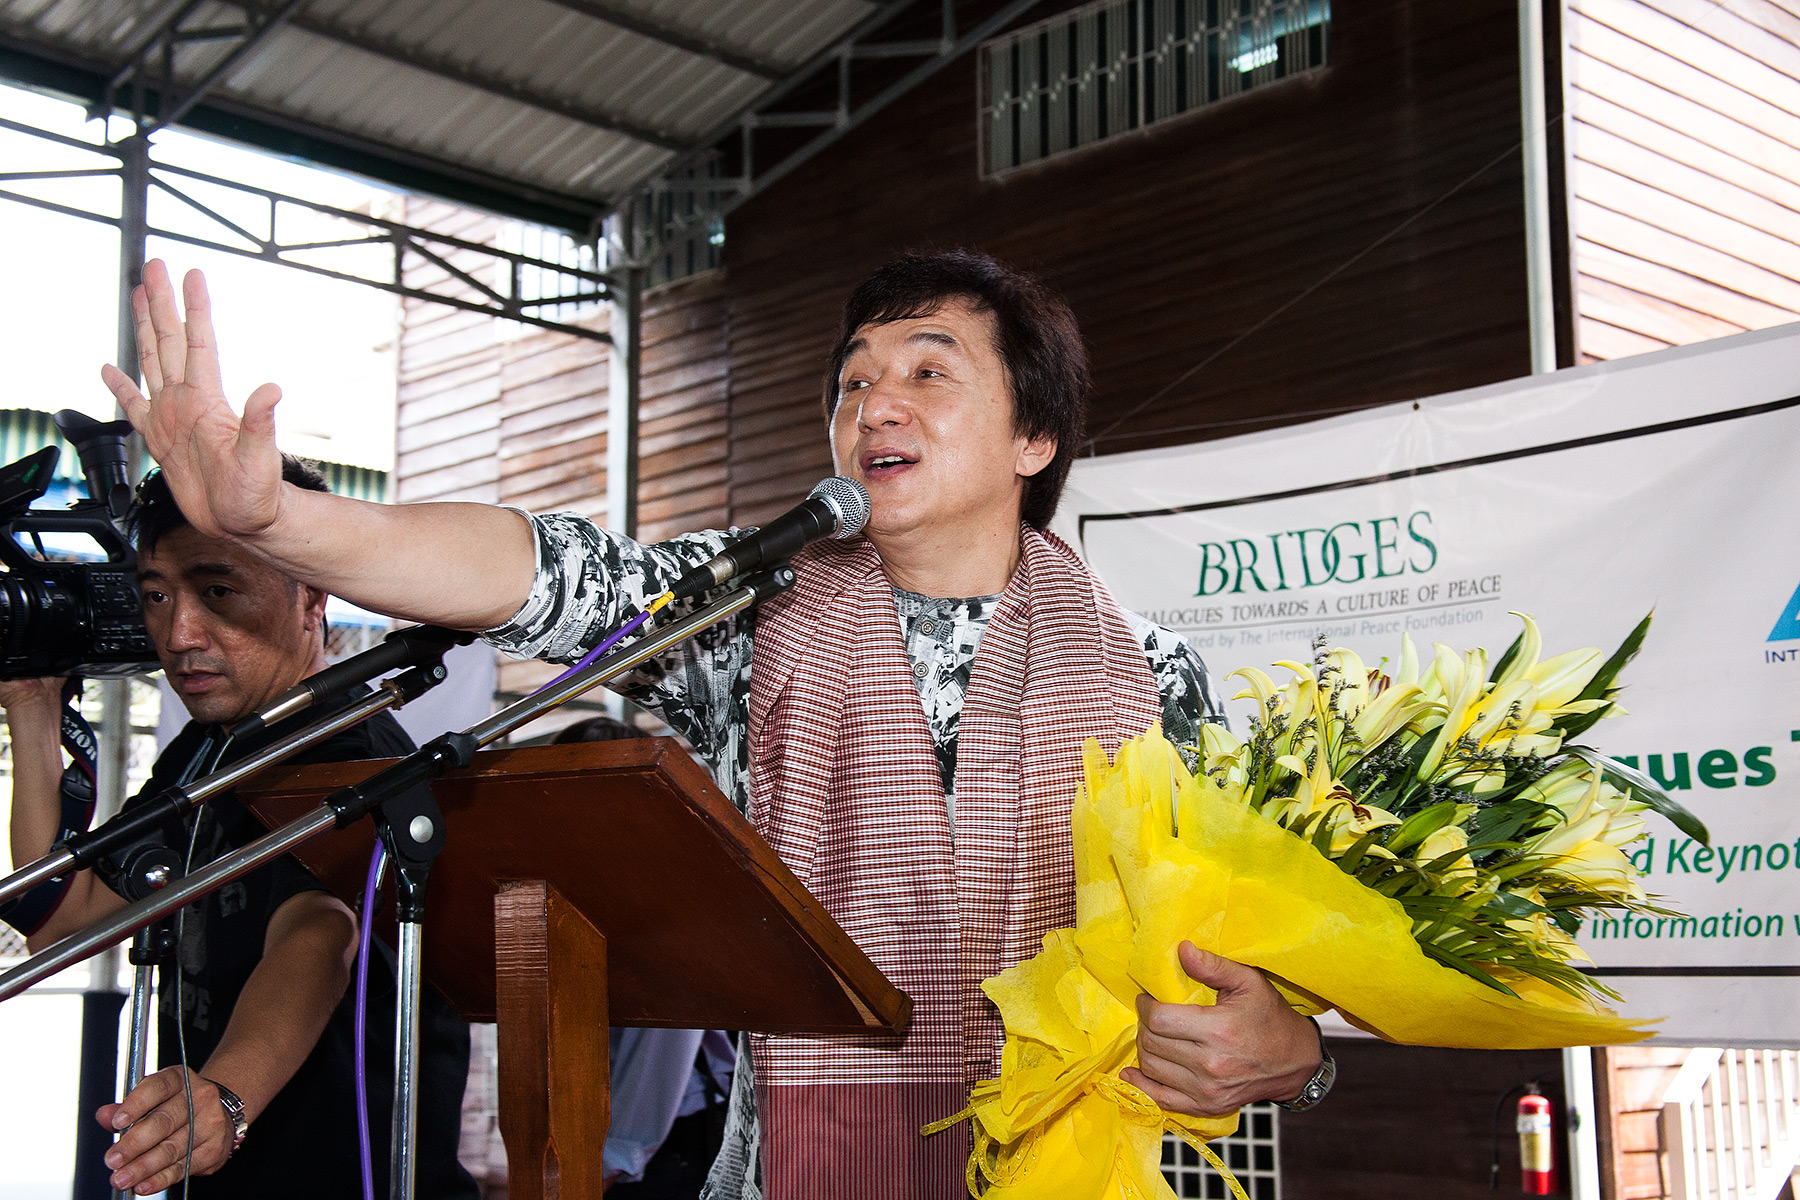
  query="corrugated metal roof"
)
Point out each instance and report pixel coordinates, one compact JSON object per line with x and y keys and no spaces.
{"x":543,"y":93}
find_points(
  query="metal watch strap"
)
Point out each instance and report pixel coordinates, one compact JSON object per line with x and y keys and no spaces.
{"x":1321,"y":1080}
{"x":234,"y":1109}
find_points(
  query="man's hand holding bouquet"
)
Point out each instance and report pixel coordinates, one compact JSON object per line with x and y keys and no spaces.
{"x":1414,"y":850}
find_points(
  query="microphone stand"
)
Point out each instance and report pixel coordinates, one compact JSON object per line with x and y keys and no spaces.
{"x":413,"y":830}
{"x":150,"y":868}
{"x":153,"y":947}
{"x":420,"y":646}
{"x":153,"y":867}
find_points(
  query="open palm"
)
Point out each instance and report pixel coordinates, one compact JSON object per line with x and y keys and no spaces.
{"x":224,"y":471}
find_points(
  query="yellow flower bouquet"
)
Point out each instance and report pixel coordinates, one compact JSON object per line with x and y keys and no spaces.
{"x":1415,"y":852}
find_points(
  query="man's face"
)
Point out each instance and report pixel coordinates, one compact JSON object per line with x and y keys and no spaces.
{"x":232,"y":632}
{"x":925,"y":422}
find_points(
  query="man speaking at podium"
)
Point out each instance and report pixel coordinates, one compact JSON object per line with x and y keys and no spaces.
{"x":904,"y":726}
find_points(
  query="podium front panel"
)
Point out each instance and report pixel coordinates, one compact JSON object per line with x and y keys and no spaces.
{"x":705,"y":927}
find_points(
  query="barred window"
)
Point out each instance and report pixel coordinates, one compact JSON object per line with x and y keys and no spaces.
{"x":1119,"y":65}
{"x":1252,"y":1153}
{"x":552,"y":294}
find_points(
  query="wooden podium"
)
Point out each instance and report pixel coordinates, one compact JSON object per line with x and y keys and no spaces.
{"x":592,"y":884}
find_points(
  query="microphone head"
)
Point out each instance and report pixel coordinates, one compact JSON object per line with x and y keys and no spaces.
{"x":849,"y":500}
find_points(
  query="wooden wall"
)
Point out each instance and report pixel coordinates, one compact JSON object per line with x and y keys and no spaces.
{"x":1173,"y":242}
{"x":684,"y":409}
{"x":522,"y":419}
{"x":1263,"y":234}
{"x":1686,"y":169}
{"x":447,"y":443}
{"x":1631,"y":1081}
{"x":1409,"y":1121}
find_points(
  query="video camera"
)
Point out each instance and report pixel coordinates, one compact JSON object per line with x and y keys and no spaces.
{"x":69,"y":617}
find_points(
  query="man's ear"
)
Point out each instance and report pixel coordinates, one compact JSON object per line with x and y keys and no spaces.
{"x":1035,"y":455}
{"x":313,"y":600}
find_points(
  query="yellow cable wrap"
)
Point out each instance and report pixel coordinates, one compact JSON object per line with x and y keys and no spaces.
{"x":1161,"y":857}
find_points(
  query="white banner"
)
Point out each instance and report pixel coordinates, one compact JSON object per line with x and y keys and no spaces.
{"x":1586,"y":498}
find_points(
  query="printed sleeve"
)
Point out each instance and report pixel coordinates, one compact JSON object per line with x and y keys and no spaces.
{"x":587,"y":580}
{"x":1189,"y":696}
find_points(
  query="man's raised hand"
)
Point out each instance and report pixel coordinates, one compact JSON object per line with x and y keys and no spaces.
{"x":224,"y":471}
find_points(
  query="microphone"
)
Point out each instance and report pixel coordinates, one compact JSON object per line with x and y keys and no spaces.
{"x":838,"y":507}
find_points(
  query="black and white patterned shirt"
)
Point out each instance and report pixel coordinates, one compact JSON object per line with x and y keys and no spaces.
{"x":589,"y":580}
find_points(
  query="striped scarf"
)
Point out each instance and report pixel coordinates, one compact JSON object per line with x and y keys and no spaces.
{"x":849,"y":795}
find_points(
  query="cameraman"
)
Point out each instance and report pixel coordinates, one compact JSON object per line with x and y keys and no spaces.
{"x":264,"y":961}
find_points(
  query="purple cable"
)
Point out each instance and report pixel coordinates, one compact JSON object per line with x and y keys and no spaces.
{"x":362,"y":965}
{"x":362,"y":1020}
{"x":587,"y":659}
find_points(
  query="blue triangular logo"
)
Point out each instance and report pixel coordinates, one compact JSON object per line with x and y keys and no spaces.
{"x":1787,"y":626}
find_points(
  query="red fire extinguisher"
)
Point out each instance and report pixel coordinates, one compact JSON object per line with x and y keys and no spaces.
{"x":1537,"y":1153}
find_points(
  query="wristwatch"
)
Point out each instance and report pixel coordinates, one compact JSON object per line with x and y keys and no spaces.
{"x":1321,"y":1080}
{"x":240,"y":1124}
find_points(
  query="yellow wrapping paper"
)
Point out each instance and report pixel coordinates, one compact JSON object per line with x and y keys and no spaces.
{"x":1058,"y":1122}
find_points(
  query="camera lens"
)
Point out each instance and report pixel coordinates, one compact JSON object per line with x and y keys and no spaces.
{"x":40,"y":627}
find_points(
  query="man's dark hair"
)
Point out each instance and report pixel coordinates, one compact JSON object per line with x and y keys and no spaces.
{"x":596,"y":729}
{"x":1034,"y":332}
{"x":155,"y":513}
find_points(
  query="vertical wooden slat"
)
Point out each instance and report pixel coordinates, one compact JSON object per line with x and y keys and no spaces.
{"x":447,"y":406}
{"x":550,"y":969}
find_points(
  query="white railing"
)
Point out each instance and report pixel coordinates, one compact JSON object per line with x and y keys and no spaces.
{"x":1731,"y":1124}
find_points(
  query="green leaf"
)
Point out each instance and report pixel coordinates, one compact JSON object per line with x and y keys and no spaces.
{"x":1513,"y":907}
{"x":1512,"y":652}
{"x":1321,"y":836}
{"x":1467,"y":968}
{"x":1421,"y":825}
{"x":1352,"y":859}
{"x":1391,"y":795}
{"x":1600,"y":687}
{"x":1504,"y":822}
{"x":1631,"y":780}
{"x":1579,"y":723}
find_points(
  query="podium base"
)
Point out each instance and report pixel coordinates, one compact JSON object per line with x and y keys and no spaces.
{"x":550,"y":975}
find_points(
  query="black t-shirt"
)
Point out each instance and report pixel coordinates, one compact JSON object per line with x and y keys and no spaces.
{"x":304,"y":1145}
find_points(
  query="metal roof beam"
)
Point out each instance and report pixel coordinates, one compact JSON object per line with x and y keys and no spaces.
{"x":644,"y":27}
{"x":480,"y":80}
{"x":84,"y":80}
{"x":698,"y":148}
{"x":173,"y":102}
{"x":897,"y":49}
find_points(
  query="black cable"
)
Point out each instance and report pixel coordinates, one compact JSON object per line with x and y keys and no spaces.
{"x":181,"y":1054}
{"x":1093,"y":442}
{"x":187,"y":1085}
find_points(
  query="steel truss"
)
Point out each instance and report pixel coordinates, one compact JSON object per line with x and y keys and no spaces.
{"x":410,"y":246}
{"x":689,"y":197}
